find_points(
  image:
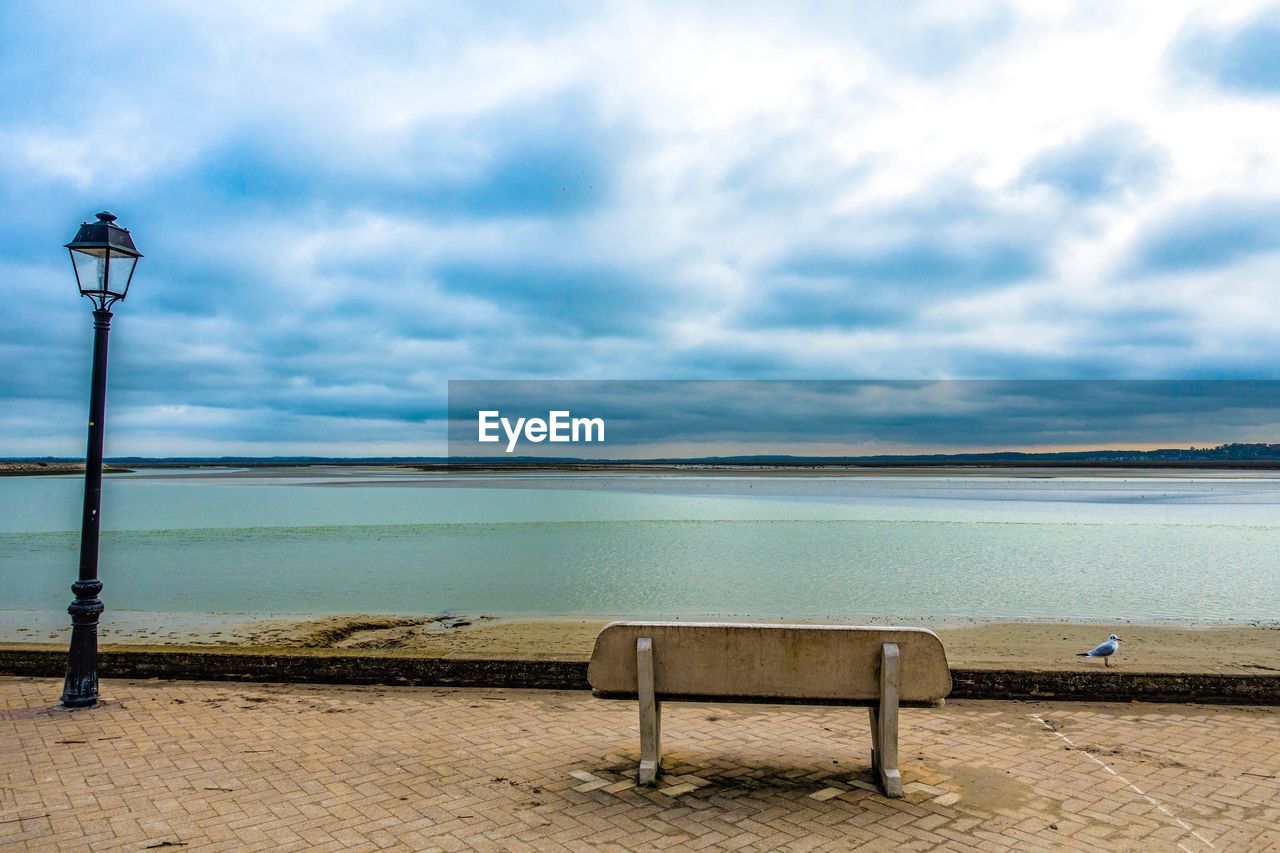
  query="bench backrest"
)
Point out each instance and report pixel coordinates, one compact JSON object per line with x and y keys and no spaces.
{"x":786,"y":662}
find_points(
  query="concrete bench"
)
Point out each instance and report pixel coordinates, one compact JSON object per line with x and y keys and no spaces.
{"x":879,"y":668}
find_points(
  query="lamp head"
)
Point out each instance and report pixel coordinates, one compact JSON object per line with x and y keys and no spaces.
{"x":104,"y":257}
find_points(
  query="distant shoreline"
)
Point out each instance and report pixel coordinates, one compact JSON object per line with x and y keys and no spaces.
{"x":1029,"y":468}
{"x":38,"y":469}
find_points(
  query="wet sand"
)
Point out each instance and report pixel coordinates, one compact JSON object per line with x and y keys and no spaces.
{"x":1022,"y":645}
{"x":1238,"y":649}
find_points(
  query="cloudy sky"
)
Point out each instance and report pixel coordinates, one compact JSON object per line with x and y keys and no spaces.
{"x":344,"y":205}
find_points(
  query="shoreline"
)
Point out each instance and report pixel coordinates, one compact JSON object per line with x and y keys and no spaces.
{"x":42,"y":469}
{"x":1234,"y":648}
{"x":462,"y":472}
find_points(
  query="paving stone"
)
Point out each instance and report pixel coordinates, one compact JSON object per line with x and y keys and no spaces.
{"x":826,"y":794}
{"x":677,"y":790}
{"x":696,"y":781}
{"x":591,"y":786}
{"x":291,"y":767}
{"x":624,"y":785}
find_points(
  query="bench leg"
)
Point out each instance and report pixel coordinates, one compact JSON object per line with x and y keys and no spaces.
{"x":875,"y":740}
{"x":884,"y":723}
{"x":650,"y":715}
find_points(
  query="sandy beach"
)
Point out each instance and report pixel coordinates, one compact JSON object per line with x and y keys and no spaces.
{"x":1252,"y":649}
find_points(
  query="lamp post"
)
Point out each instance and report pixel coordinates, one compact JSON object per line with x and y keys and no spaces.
{"x":104,"y":257}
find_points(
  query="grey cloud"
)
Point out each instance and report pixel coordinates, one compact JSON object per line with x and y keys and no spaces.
{"x":1214,"y":232}
{"x":1107,"y":161}
{"x":936,"y":244}
{"x":1241,"y":58}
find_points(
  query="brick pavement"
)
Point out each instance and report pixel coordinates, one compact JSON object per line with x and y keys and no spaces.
{"x":223,"y":766}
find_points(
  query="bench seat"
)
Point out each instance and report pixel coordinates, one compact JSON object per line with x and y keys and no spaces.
{"x":850,"y":666}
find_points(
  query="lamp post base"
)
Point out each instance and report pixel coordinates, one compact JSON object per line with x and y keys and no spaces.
{"x":80,"y":690}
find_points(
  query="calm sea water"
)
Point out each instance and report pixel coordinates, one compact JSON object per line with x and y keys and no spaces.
{"x":648,"y":546}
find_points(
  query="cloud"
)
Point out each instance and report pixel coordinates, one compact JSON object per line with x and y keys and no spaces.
{"x":1210,"y":233}
{"x":892,"y":261}
{"x":1108,"y":160}
{"x":883,"y":284}
{"x":575,"y":300}
{"x":927,"y":40}
{"x":1239,"y":57}
{"x":548,"y":158}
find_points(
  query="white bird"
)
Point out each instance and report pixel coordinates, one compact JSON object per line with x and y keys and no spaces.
{"x":1104,"y":651}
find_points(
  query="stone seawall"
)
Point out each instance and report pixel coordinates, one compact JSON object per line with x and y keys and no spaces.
{"x":329,"y":668}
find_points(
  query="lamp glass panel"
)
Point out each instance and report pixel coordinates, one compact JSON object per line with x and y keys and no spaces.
{"x":91,"y":269}
{"x":121,"y":272}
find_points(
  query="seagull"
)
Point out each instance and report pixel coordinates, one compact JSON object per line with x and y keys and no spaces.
{"x":1104,"y":651}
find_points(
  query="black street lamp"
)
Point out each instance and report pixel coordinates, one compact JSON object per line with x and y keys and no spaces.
{"x":104,"y":257}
